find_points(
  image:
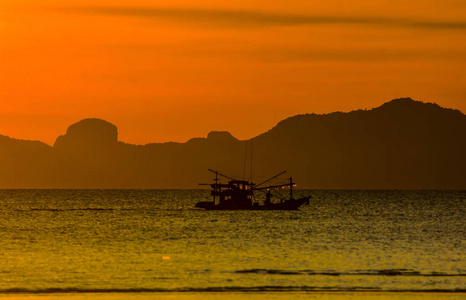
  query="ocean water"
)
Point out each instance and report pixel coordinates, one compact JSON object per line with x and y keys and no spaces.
{"x":150,"y":241}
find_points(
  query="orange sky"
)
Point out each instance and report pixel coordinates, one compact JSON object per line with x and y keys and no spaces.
{"x":172,"y":70}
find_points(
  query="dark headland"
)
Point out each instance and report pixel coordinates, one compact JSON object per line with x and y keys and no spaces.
{"x":403,"y":144}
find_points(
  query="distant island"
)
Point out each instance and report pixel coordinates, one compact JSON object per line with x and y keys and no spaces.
{"x":403,"y":144}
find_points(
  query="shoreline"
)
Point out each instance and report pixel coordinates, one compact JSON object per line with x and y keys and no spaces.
{"x":317,"y":295}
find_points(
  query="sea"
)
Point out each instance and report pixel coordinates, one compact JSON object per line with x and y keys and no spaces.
{"x":118,"y":244}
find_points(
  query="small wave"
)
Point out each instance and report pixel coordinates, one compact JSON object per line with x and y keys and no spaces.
{"x":388,"y":272}
{"x":73,"y":209}
{"x":222,"y":289}
{"x":269,"y":271}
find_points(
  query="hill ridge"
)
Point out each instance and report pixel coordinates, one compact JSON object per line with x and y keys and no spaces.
{"x":402,"y":144}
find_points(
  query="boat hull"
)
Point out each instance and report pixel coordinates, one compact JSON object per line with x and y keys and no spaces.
{"x":291,"y":204}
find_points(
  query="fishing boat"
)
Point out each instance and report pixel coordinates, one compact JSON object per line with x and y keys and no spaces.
{"x":239,"y":195}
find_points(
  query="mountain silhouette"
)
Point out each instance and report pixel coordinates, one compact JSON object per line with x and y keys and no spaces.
{"x":403,"y":144}
{"x":88,"y":133}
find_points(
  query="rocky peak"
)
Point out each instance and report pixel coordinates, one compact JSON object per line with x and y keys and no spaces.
{"x":88,"y":133}
{"x":221,"y":136}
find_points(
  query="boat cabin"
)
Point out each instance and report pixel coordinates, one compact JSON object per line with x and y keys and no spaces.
{"x":236,"y":193}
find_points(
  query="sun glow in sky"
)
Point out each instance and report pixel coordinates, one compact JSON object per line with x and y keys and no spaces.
{"x":172,"y":70}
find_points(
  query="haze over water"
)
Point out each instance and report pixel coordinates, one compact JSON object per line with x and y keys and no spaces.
{"x":140,"y":241}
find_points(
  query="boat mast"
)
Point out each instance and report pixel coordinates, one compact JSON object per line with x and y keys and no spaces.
{"x":291,"y":187}
{"x":215,"y":186}
{"x":251,"y":161}
{"x":245,"y":160}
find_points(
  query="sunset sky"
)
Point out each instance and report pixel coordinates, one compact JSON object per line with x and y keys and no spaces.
{"x":172,"y":70}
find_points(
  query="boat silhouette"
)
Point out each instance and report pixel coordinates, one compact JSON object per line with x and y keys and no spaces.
{"x":239,"y":195}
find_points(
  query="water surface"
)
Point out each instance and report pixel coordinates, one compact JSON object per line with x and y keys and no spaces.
{"x":147,"y":241}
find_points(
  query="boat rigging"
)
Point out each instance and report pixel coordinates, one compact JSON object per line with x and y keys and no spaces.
{"x":239,"y":195}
